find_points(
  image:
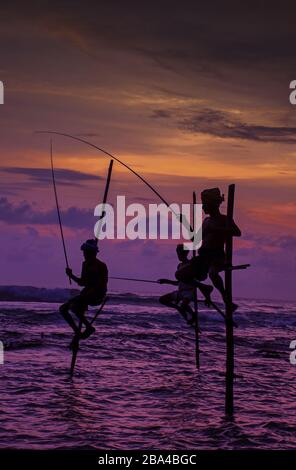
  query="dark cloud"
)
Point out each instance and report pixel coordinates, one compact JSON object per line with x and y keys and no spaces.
{"x":228,"y":125}
{"x":160,"y":114}
{"x":167,"y":31}
{"x":63,"y":175}
{"x":200,"y":30}
{"x":25,"y":213}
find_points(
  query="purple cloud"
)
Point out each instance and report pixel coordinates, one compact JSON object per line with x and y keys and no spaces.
{"x":24,"y":213}
{"x":63,"y":175}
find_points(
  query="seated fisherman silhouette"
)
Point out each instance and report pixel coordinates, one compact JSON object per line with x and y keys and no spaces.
{"x":94,"y":280}
{"x":211,"y":255}
{"x":180,"y":299}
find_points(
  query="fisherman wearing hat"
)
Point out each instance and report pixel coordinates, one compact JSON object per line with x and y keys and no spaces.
{"x":94,"y":280}
{"x":211,"y":255}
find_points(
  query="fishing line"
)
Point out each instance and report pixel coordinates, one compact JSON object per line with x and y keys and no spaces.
{"x":58,"y":207}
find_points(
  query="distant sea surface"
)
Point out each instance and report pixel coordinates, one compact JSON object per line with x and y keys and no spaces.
{"x":136,"y":385}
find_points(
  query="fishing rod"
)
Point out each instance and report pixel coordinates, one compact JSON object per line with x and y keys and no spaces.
{"x":134,"y":280}
{"x":58,"y":208}
{"x":182,"y":219}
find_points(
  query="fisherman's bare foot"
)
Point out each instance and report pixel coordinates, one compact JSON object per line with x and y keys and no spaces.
{"x":234,"y":307}
{"x":190,"y":321}
{"x":87,"y":332}
{"x":183,"y":312}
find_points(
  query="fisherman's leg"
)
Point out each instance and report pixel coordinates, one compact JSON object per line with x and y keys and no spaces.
{"x":89,"y":329}
{"x":64,"y":310}
{"x":170,"y":300}
{"x":80,"y":314}
{"x":167,"y":300}
{"x":219,"y":284}
{"x":206,"y":291}
{"x":185,"y":305}
{"x":196,"y":272}
{"x":79,"y":307}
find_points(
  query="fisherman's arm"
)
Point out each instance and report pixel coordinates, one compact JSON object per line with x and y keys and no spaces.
{"x":224,"y":229}
{"x":78,"y":280}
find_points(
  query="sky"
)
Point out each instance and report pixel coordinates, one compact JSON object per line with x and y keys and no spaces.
{"x":191,"y":95}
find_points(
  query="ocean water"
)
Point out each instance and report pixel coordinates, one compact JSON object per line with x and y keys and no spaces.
{"x":136,"y":385}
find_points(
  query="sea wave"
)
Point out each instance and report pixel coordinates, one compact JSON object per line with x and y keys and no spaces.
{"x":136,"y":384}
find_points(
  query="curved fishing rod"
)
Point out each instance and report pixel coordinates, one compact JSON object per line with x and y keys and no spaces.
{"x":58,"y":208}
{"x":110,"y":155}
{"x":180,"y":217}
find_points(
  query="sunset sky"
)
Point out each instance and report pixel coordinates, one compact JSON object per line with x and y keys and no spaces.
{"x":191,"y":95}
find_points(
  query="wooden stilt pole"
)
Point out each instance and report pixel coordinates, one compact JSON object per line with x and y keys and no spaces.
{"x":229,"y":322}
{"x":77,"y":336}
{"x":76,"y":345}
{"x":75,"y":348}
{"x":196,"y":325}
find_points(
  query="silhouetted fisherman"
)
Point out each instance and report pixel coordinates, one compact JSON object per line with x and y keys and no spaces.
{"x":94,"y":279}
{"x":211,"y":255}
{"x":180,"y":299}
